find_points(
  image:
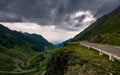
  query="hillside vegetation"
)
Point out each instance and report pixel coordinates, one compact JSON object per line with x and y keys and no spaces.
{"x":21,"y":52}
{"x":74,"y":59}
{"x":105,"y":30}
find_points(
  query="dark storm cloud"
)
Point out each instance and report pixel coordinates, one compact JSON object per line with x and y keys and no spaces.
{"x":55,"y":12}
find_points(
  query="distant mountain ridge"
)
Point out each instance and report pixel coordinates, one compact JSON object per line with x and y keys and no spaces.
{"x":63,"y":43}
{"x":105,"y":30}
{"x":9,"y":39}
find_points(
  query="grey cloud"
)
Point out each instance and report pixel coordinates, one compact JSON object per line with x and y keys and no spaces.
{"x":54,"y":12}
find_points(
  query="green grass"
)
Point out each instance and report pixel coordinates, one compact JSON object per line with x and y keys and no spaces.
{"x":9,"y":57}
{"x":79,"y":60}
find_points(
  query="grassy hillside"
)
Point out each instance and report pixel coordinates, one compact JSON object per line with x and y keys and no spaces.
{"x":21,"y":52}
{"x":74,"y":59}
{"x":105,"y":30}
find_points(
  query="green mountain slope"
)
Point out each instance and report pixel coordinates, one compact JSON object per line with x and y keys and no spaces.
{"x":105,"y":30}
{"x":74,"y":59}
{"x":10,"y":39}
{"x":21,"y":52}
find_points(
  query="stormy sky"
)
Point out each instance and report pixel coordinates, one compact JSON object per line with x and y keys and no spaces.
{"x":57,"y":17}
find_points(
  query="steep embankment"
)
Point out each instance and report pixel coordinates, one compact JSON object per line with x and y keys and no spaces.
{"x":74,"y":59}
{"x":105,"y":30}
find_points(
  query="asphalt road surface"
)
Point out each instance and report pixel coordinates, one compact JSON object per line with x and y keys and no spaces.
{"x":114,"y":50}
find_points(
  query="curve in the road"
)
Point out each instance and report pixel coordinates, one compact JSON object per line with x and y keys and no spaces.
{"x":111,"y":51}
{"x":12,"y":72}
{"x":28,"y":61}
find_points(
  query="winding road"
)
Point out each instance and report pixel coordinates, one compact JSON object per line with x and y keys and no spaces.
{"x":111,"y":51}
{"x":12,"y":72}
{"x":28,"y":62}
{"x":19,"y":68}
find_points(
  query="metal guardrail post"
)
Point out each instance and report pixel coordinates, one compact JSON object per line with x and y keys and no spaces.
{"x":101,"y":53}
{"x":111,"y":57}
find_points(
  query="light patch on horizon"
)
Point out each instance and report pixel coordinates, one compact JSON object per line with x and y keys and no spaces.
{"x":50,"y":33}
{"x":53,"y":34}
